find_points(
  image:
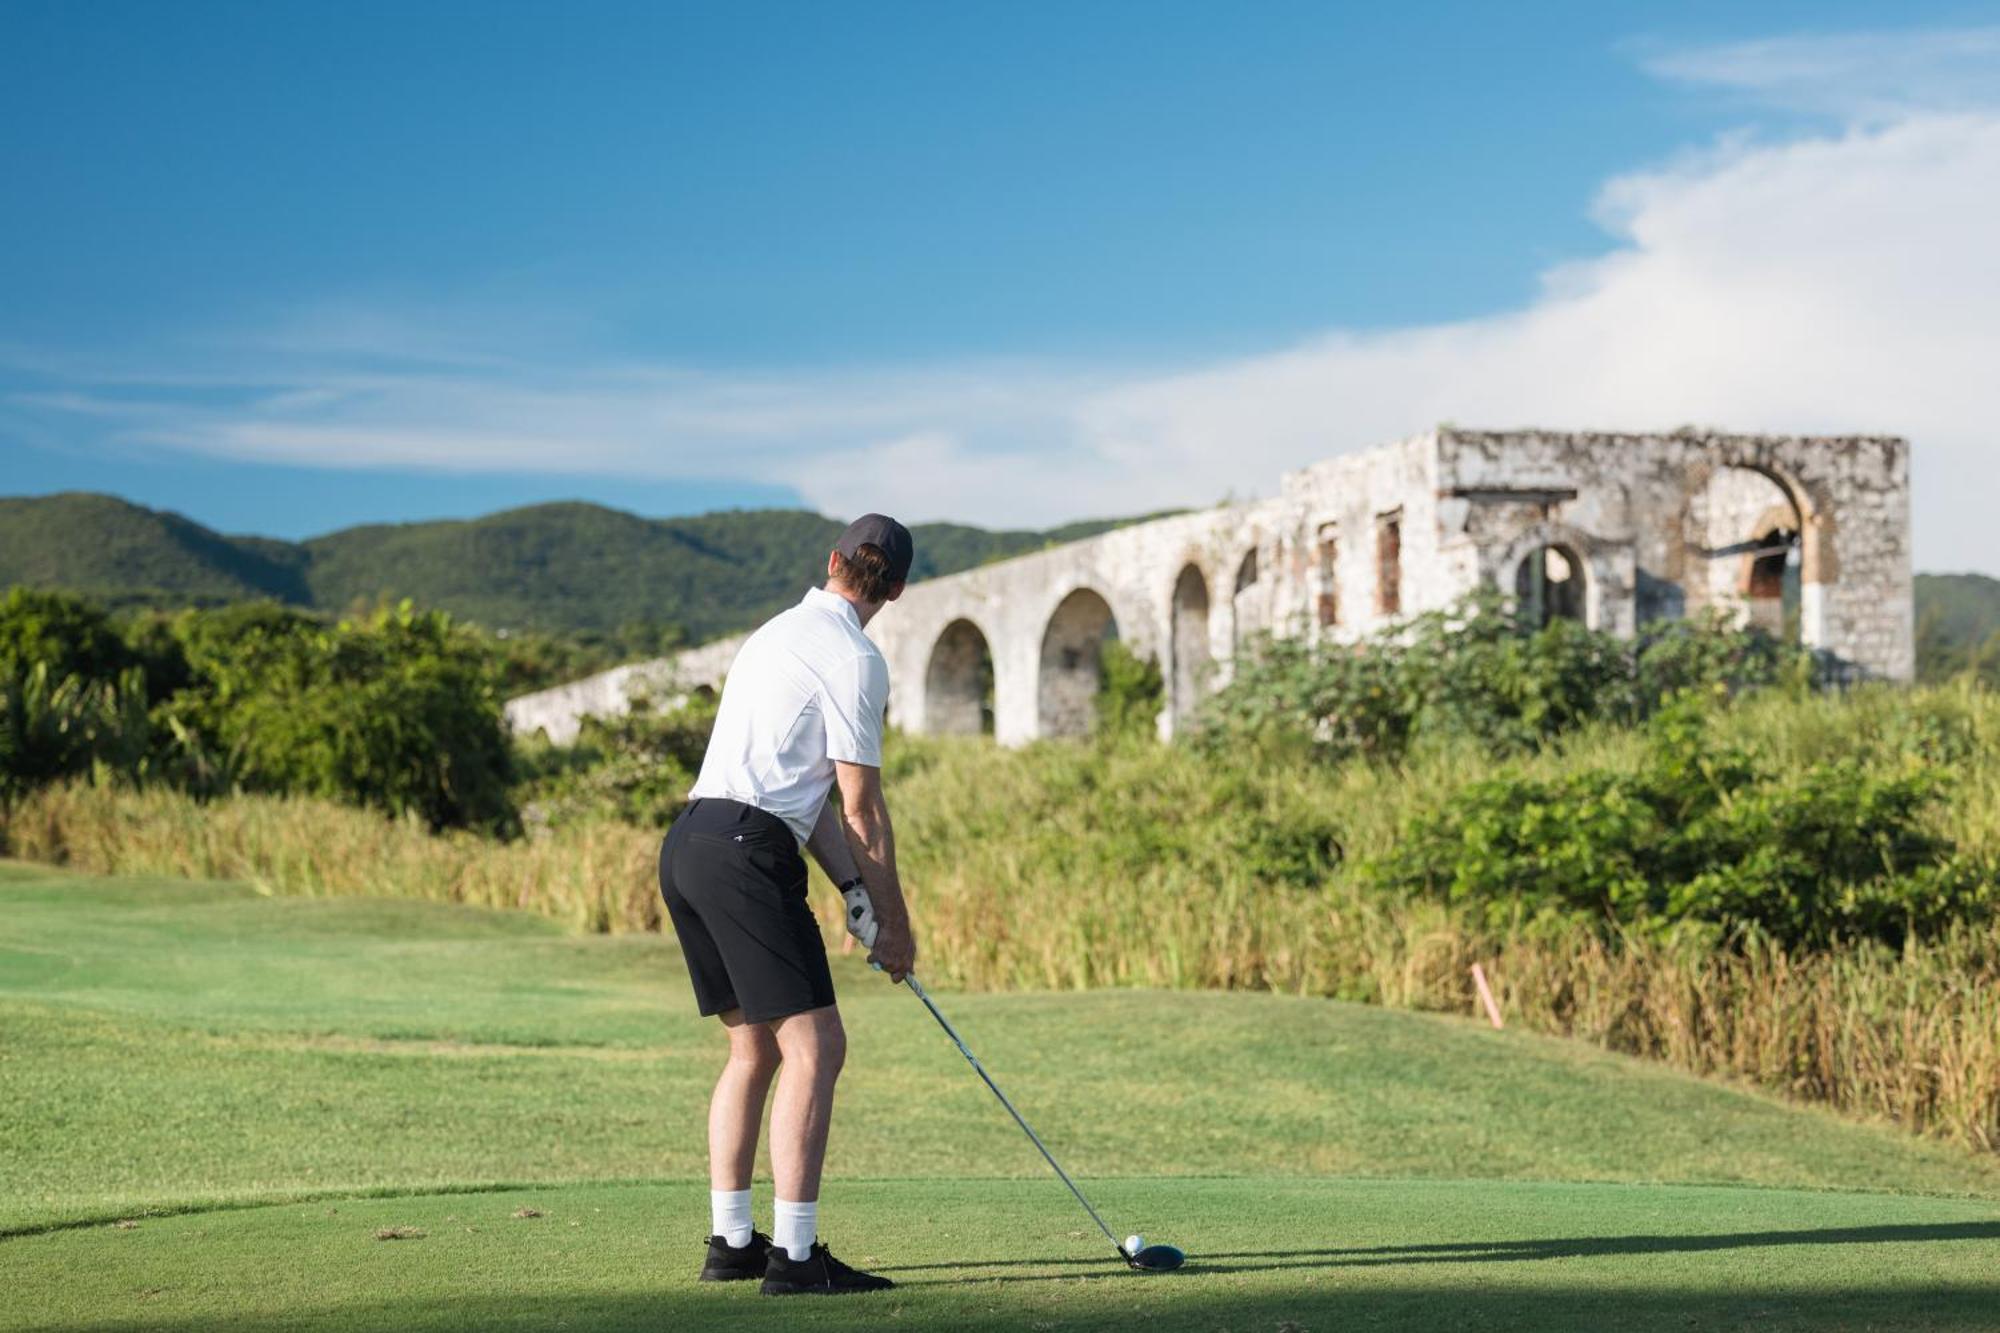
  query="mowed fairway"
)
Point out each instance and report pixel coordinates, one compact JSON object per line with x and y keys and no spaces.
{"x":258,"y":1086}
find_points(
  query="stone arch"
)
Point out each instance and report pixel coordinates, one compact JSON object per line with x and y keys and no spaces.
{"x":1552,"y":583}
{"x":958,"y":682}
{"x":1750,"y":540}
{"x":1593,"y":568}
{"x":1246,"y":571}
{"x":1246,"y":600}
{"x":1191,"y":652}
{"x":1071,"y":663}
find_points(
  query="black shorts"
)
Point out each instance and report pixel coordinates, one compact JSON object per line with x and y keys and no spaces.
{"x":735,"y":887}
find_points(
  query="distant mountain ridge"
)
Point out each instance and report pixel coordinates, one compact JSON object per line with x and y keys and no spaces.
{"x":1958,"y":624}
{"x":560,"y":566}
{"x":569,"y":566}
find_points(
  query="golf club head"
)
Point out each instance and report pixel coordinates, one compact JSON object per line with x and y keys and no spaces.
{"x":1157,"y":1259}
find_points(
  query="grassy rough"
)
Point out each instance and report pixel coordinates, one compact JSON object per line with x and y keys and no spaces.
{"x":1061,"y":867}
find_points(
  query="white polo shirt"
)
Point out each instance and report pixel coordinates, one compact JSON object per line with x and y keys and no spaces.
{"x":807,"y":689}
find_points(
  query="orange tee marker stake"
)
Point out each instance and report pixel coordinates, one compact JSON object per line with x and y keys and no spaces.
{"x":1486,"y":995}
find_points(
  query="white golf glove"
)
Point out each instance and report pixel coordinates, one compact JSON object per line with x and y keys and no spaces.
{"x":860,"y":915}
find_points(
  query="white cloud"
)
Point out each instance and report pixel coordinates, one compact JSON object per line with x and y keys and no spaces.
{"x":1854,"y":76}
{"x":1846,"y":280}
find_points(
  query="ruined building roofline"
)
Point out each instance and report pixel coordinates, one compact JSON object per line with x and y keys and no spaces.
{"x":1693,"y":434}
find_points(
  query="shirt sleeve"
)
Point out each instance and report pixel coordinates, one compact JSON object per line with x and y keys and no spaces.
{"x":856,"y":699}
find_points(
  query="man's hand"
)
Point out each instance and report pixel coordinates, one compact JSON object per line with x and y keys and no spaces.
{"x":895,"y":949}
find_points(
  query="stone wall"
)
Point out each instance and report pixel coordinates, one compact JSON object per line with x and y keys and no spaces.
{"x":1653,"y":526}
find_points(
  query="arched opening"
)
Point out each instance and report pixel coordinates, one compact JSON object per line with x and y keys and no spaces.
{"x":1191,"y":652}
{"x":1745,"y":548}
{"x":1549,"y":585}
{"x":958,"y":686}
{"x":1771,"y":577}
{"x":1072,"y":667}
{"x":1246,"y":573}
{"x":1245,"y":618}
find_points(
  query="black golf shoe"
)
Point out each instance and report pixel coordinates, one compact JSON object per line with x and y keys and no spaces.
{"x":819,"y":1275}
{"x":732,"y":1263}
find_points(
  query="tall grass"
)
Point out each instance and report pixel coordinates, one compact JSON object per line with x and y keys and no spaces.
{"x":599,"y":877}
{"x":1065,"y":866}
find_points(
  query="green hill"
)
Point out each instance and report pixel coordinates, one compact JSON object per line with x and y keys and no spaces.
{"x":575,"y":566}
{"x":126,"y":555}
{"x":1957,"y":616}
{"x":564,"y":566}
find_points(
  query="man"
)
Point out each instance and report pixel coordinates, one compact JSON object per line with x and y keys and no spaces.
{"x":802,"y":710}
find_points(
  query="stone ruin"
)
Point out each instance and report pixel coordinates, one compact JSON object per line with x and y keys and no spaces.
{"x":1804,"y":535}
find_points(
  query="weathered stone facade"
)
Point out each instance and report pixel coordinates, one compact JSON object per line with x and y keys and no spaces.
{"x":1614,"y":530}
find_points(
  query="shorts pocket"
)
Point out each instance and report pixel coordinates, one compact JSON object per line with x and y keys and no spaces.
{"x":770,"y":860}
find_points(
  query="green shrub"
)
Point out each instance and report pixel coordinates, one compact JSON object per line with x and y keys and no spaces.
{"x":399,"y":712}
{"x":1700,"y":831}
{"x":66,"y":634}
{"x":1478,"y":671}
{"x":1130,"y":692}
{"x":634,"y":769}
{"x":54,"y":727}
{"x":72,"y":695}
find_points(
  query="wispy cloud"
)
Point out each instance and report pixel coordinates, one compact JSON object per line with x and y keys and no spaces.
{"x":1869,"y":76}
{"x":1842,"y":279}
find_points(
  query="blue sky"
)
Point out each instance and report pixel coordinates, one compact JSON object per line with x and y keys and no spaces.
{"x":286,"y":267}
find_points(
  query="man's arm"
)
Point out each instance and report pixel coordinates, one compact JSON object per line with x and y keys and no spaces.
{"x":828,"y":845}
{"x":861,"y":841}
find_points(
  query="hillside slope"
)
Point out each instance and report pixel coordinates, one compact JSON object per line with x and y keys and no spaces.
{"x":1957,"y":614}
{"x":128,"y":555}
{"x":563,"y":566}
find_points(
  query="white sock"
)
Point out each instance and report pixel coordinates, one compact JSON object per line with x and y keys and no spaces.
{"x":796,"y":1228}
{"x":729,"y":1212}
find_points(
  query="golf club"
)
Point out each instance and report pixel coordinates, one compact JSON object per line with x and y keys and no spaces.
{"x":1147,"y":1258}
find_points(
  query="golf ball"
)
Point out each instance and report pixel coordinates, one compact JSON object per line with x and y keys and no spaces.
{"x":1134,"y":1244}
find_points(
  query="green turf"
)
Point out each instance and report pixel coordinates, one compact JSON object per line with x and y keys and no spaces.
{"x":1319,"y":1255}
{"x":167,"y":1046}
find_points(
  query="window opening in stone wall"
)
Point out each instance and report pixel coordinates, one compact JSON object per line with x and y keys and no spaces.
{"x":1329,"y":571}
{"x":1771,"y":585}
{"x":1389,"y":564}
{"x":1548,"y":586}
{"x":1744,"y":550}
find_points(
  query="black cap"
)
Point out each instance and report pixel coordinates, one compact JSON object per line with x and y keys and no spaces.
{"x":879,"y":530}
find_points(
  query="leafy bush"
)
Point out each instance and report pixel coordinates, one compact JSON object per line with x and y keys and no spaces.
{"x":1130,"y":692}
{"x":399,"y":712}
{"x":1479,"y":671}
{"x":1700,"y":831}
{"x":636,"y":769}
{"x":54,"y":727}
{"x":72,"y":700}
{"x":65,"y":634}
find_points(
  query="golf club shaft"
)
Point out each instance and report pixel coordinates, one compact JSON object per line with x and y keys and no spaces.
{"x":916,"y":988}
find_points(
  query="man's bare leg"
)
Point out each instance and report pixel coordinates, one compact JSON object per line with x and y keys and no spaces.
{"x":734,"y":1114}
{"x":813,"y":1046}
{"x":736,"y":1111}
